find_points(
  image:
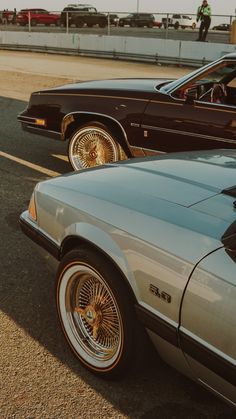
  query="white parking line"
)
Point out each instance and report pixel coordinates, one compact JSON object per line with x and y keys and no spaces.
{"x":61,"y":157}
{"x":30,"y":165}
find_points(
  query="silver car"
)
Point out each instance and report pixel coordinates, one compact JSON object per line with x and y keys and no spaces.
{"x":148,"y":242}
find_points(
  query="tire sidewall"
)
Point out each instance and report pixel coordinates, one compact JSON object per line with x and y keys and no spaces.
{"x":123,"y":300}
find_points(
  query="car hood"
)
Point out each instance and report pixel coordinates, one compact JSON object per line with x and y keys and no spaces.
{"x":136,"y":85}
{"x":184,"y":179}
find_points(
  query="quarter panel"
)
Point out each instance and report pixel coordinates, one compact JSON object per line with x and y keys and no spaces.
{"x":208,"y":319}
{"x":209,"y":309}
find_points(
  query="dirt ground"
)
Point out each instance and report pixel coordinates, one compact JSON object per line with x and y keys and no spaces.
{"x":23,"y":72}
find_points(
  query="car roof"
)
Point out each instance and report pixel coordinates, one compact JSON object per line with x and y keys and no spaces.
{"x":33,"y":9}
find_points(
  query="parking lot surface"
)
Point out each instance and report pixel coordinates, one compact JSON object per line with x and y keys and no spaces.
{"x":39,"y":376}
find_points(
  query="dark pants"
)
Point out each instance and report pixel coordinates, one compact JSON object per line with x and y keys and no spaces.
{"x":203,"y":30}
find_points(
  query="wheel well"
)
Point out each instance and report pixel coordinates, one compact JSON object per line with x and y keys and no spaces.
{"x":113,"y":126}
{"x":75,"y":242}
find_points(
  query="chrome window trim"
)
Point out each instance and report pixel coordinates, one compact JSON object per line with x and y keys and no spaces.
{"x":193,"y":75}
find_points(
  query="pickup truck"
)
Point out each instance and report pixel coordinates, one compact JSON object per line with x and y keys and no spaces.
{"x":83,"y":15}
{"x":180,"y":21}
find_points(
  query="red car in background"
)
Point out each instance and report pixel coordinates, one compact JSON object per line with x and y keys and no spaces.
{"x":36,"y":17}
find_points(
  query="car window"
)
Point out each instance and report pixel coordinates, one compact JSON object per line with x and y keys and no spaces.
{"x":201,"y":86}
{"x":222,"y":72}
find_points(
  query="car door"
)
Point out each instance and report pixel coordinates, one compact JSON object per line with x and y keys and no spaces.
{"x":45,"y":17}
{"x":208,"y":322}
{"x":172,"y":124}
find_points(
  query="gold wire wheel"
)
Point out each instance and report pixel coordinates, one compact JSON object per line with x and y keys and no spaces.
{"x":90,"y":316}
{"x":92,"y":146}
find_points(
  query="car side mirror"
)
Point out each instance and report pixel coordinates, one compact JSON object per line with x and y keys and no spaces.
{"x":190,"y":96}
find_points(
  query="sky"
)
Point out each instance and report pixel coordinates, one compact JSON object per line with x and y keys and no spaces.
{"x":219,"y":7}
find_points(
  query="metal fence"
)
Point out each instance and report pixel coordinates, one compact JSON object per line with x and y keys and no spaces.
{"x":163,"y":21}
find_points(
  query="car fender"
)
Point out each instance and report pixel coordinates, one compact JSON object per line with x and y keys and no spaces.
{"x":71,"y":117}
{"x":82,"y":233}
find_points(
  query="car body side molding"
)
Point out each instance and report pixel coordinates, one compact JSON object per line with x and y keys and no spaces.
{"x":208,"y":358}
{"x":39,"y":238}
{"x":157,"y":325}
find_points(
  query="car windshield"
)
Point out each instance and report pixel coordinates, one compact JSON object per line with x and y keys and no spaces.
{"x":223,"y":70}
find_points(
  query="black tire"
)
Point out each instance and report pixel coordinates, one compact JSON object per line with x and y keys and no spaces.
{"x":102,"y":23}
{"x":33,"y":22}
{"x":79,"y":23}
{"x":92,"y":145}
{"x":96,"y":313}
{"x":176,"y":25}
{"x":150,"y":25}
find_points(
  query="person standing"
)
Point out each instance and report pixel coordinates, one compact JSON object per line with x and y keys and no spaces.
{"x":204,"y":15}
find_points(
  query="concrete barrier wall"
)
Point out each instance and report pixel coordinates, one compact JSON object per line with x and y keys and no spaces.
{"x":129,"y":48}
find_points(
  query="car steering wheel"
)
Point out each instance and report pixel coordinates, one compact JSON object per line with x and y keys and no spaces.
{"x":218,"y":93}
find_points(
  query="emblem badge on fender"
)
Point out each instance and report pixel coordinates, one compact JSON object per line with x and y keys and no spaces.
{"x":160,"y":294}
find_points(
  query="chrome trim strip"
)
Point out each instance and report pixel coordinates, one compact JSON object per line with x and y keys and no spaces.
{"x":29,"y":123}
{"x":25,"y":120}
{"x":149,"y":151}
{"x":137,"y":151}
{"x":191,"y":134}
{"x":142,"y":152}
{"x":100,"y":96}
{"x":217,"y":107}
{"x":168,"y":103}
{"x":19,"y":117}
{"x":217,"y":392}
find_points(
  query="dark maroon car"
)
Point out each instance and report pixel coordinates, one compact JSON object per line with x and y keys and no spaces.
{"x":108,"y":120}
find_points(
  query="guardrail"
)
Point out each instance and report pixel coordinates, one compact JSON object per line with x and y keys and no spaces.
{"x":116,"y":55}
{"x":152,"y":50}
